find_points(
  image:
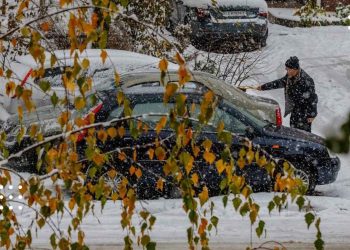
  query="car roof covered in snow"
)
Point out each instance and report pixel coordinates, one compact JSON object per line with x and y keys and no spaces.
{"x":261,"y":4}
{"x":122,"y":60}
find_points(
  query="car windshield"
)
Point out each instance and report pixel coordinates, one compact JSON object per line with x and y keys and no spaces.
{"x":258,"y":122}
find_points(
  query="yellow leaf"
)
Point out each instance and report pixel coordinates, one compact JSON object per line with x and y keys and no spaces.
{"x":209,"y":96}
{"x":151,"y":153}
{"x":134,"y":155}
{"x":27,"y":99}
{"x":250,"y":156}
{"x":241,"y":163}
{"x":112,"y":132}
{"x":196,"y":151}
{"x":71,"y":203}
{"x":73,"y":157}
{"x":98,"y":158}
{"x":161,"y":124}
{"x":85,"y":63}
{"x":53,"y":205}
{"x":179,"y":59}
{"x":53,"y":60}
{"x":246,"y":192}
{"x":52,"y":154}
{"x":116,"y":78}
{"x":220,"y":166}
{"x":209,"y":157}
{"x":8,"y":176}
{"x":242,"y":153}
{"x":238,"y":181}
{"x":102,"y":135}
{"x":160,"y":153}
{"x":20,"y":113}
{"x":262,"y":161}
{"x":63,"y":118}
{"x":122,"y":156}
{"x":184,"y":75}
{"x":220,"y":127}
{"x":207,"y":144}
{"x":10,"y":231}
{"x":14,"y":42}
{"x":121,"y":132}
{"x":103,"y":55}
{"x":94,"y":19}
{"x":163,"y":65}
{"x":10,"y":88}
{"x":114,"y":196}
{"x":45,"y":26}
{"x":87,"y":28}
{"x":170,"y":90}
{"x":120,"y":97}
{"x":79,"y":103}
{"x":160,"y":184}
{"x":112,"y":173}
{"x":189,"y":164}
{"x":138,"y":173}
{"x":195,"y":179}
{"x":33,"y":130}
{"x":132,"y":170}
{"x":203,"y":196}
{"x":68,"y":83}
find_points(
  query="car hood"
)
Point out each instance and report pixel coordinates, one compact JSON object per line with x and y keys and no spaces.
{"x":293,"y":134}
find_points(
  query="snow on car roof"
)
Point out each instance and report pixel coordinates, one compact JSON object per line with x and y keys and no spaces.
{"x":205,"y":3}
{"x":122,"y":60}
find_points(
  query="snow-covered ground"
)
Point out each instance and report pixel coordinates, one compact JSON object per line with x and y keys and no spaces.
{"x":288,"y":13}
{"x":324,"y":54}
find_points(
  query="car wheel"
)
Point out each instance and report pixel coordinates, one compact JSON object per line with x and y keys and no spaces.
{"x":307,"y":177}
{"x":305,"y":172}
{"x":112,"y":182}
{"x":263,"y":42}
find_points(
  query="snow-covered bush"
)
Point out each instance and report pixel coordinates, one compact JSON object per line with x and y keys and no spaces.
{"x":343,"y":12}
{"x":182,"y":34}
{"x":308,"y":12}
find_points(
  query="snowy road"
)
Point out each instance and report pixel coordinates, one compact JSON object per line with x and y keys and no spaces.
{"x":324,"y":53}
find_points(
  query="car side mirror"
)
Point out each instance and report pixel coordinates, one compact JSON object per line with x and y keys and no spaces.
{"x":250,"y":133}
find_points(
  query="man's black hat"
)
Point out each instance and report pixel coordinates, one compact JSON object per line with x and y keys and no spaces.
{"x":293,"y":62}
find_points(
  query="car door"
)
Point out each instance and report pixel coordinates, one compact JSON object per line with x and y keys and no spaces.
{"x":238,"y":124}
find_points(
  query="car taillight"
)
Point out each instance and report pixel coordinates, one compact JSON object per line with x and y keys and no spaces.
{"x":202,"y":14}
{"x":278,"y":117}
{"x":263,"y":14}
{"x":94,"y":111}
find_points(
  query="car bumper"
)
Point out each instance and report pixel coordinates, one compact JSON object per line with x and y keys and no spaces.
{"x":328,"y":169}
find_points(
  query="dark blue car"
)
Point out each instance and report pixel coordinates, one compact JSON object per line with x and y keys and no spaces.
{"x":305,"y":151}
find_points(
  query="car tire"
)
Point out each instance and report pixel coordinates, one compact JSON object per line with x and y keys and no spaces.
{"x":306,"y":174}
{"x":263,"y":41}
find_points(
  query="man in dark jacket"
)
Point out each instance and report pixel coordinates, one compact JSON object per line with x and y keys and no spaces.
{"x":300,"y":96}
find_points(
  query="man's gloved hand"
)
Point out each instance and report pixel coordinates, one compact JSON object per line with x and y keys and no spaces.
{"x":311,"y":119}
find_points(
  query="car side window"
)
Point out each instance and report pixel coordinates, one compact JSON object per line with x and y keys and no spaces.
{"x":151,"y":111}
{"x":231,"y":122}
{"x":115,"y":113}
{"x":222,"y":114}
